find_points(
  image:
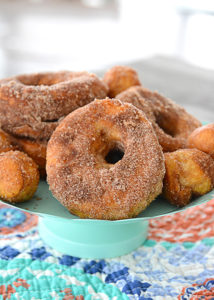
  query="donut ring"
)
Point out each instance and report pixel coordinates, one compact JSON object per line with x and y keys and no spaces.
{"x":32,"y":105}
{"x":37,"y":151}
{"x":104,"y":161}
{"x":171,"y":122}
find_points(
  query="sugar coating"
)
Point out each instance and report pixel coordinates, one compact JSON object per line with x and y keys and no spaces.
{"x":7,"y":142}
{"x":172,"y":124}
{"x":19,"y":172}
{"x":33,"y":105}
{"x":202,"y":139}
{"x":189,"y":173}
{"x":84,"y":182}
{"x":120,"y":78}
{"x":36,"y":149}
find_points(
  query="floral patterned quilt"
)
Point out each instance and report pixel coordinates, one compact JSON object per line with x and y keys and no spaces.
{"x":175,"y":262}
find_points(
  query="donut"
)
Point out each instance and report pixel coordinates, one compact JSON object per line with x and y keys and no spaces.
{"x":7,"y":142}
{"x":202,"y":139}
{"x":32,"y":105}
{"x":104,"y":161}
{"x":35,"y":149}
{"x":172,"y":124}
{"x":19,"y":176}
{"x":189,"y":173}
{"x":120,"y":78}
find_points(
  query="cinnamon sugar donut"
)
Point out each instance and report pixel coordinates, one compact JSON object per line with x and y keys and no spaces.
{"x":104,"y":161}
{"x":171,"y":122}
{"x":120,"y":78}
{"x":32,"y":105}
{"x":36,"y":150}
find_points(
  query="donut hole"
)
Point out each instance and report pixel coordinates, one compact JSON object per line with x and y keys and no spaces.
{"x":114,"y":155}
{"x":51,"y":121}
{"x":163,"y":123}
{"x":36,"y":80}
{"x":107,"y":146}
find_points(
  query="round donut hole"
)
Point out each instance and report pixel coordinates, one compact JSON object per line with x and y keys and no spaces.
{"x":165,"y":127}
{"x":32,"y":80}
{"x":114,"y":155}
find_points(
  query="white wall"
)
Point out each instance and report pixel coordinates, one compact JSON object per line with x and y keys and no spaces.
{"x":52,"y":35}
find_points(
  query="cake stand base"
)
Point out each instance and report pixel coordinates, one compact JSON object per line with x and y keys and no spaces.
{"x":92,"y":239}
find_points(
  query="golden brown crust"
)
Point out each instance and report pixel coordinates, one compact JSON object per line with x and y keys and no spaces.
{"x":202,"y":139}
{"x":171,"y":122}
{"x":189,"y":173}
{"x":37,"y":151}
{"x":120,"y":78}
{"x":19,"y":176}
{"x":7,"y":142}
{"x":32,"y":105}
{"x":86,"y":180}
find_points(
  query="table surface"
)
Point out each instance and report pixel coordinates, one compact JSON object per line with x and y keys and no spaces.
{"x":175,"y":262}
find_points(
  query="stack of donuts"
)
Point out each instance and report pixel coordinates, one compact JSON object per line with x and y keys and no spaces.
{"x":109,"y":146}
{"x":31,"y":107}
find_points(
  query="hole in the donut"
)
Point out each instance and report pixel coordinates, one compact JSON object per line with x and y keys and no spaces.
{"x":167,"y":131}
{"x":163,"y":123}
{"x":114,"y":155}
{"x":51,"y":121}
{"x":41,"y":79}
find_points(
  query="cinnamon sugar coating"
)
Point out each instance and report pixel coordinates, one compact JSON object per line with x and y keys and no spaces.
{"x":120,"y":78}
{"x":35,"y":149}
{"x":189,"y":173}
{"x":172,"y":124}
{"x":202,"y":139}
{"x":19,"y":176}
{"x":104,"y":161}
{"x":7,"y":142}
{"x":33,"y":105}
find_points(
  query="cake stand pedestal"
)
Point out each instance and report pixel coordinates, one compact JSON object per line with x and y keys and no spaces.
{"x":95,"y":240}
{"x":89,"y":238}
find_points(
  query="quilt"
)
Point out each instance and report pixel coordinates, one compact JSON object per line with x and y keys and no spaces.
{"x":175,"y":262}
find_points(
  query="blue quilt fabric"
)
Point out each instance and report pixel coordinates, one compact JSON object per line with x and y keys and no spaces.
{"x":175,"y":262}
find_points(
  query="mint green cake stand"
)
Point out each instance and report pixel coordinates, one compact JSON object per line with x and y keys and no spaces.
{"x":88,"y":238}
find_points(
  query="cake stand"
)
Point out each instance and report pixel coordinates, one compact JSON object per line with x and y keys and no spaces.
{"x":88,"y":238}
